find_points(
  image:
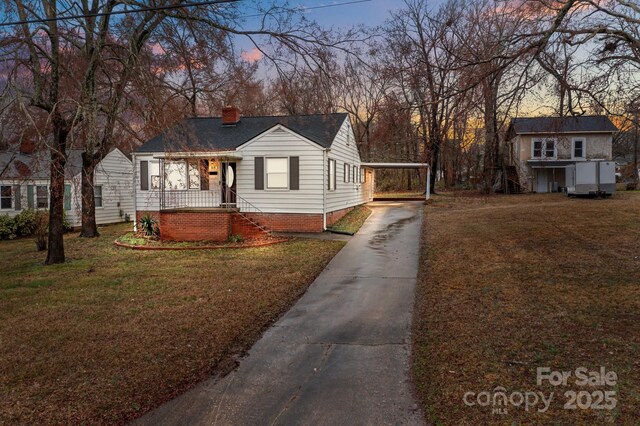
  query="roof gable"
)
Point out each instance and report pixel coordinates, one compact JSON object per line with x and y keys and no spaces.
{"x":208,"y":134}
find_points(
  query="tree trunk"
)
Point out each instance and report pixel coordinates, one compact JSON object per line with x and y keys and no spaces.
{"x":55,"y":253}
{"x":89,"y":226}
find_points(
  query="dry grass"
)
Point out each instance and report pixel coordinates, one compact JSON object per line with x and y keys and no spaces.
{"x":114,"y":332}
{"x":512,"y":283}
{"x":416,"y":194}
{"x":352,"y":221}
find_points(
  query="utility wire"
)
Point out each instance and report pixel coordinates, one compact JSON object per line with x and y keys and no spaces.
{"x":167,"y":7}
{"x":118,"y":12}
{"x":302,"y":8}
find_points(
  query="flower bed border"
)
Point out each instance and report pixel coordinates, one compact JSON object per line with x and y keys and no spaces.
{"x":208,"y":247}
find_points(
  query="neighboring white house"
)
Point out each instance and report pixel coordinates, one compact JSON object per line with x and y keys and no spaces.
{"x":290,"y":173}
{"x":541,"y":148}
{"x":24,"y":184}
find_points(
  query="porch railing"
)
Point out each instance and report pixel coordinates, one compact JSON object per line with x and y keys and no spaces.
{"x":181,"y":199}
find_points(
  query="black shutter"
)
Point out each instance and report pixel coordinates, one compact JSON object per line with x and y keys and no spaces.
{"x":259,"y":173}
{"x":144,"y":175}
{"x":294,"y":173}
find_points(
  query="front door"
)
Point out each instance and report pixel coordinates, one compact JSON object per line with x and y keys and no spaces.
{"x":228,"y":183}
{"x":543,"y":184}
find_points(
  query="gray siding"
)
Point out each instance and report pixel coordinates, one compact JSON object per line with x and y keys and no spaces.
{"x":113,"y":173}
{"x":283,"y":143}
{"x":344,"y":150}
{"x":147,"y":200}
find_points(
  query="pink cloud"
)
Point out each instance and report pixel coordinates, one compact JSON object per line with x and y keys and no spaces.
{"x":157,"y":49}
{"x":253,"y":55}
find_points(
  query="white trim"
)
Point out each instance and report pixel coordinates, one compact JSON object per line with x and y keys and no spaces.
{"x":584,"y":148}
{"x":395,"y":165}
{"x":543,"y":148}
{"x":325,"y":168}
{"x":334,"y":175}
{"x":266,"y":180}
{"x":276,"y":128}
{"x":184,"y":155}
{"x":11,"y":197}
{"x":136,"y":188}
{"x":101,"y":196}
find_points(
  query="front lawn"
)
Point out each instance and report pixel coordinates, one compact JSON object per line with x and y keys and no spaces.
{"x":512,"y":283}
{"x":115,"y":332}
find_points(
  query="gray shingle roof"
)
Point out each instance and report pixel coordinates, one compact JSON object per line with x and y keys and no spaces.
{"x":208,"y":134}
{"x":15,"y":165}
{"x":589,"y":123}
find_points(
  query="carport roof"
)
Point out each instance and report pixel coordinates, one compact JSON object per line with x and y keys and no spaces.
{"x":396,"y":165}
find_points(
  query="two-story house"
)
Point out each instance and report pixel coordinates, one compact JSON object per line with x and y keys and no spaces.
{"x":541,"y":148}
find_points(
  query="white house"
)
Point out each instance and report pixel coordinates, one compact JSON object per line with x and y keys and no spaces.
{"x":542,"y":148}
{"x":206,"y":177}
{"x":24,"y":184}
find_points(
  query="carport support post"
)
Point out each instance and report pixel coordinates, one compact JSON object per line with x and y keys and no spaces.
{"x":428,"y":191}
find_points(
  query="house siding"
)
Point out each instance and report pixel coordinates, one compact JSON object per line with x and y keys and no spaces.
{"x":598,"y":146}
{"x":283,"y":143}
{"x":344,"y":150}
{"x":113,"y":173}
{"x":147,"y":200}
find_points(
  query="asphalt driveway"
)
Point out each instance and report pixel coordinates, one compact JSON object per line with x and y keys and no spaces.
{"x":340,"y":355}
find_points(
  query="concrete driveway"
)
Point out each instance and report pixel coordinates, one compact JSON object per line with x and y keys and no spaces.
{"x":340,"y":355}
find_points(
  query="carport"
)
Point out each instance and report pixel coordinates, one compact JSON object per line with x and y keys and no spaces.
{"x":404,"y":166}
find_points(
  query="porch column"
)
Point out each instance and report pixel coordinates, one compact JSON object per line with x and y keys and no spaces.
{"x":428,"y":191}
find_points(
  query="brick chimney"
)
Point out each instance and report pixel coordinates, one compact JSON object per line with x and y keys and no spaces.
{"x":27,"y":147}
{"x":230,"y":115}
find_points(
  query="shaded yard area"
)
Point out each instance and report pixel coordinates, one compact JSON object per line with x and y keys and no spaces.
{"x":114,"y":332}
{"x":512,"y":283}
{"x":352,"y":221}
{"x":415,"y":194}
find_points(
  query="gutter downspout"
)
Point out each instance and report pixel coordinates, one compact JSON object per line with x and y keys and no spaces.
{"x":135,"y":194}
{"x":325,"y":166}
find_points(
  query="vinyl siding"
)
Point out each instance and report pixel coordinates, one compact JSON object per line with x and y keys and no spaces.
{"x":147,"y":200}
{"x":114,"y":173}
{"x":344,"y":150}
{"x":283,"y":143}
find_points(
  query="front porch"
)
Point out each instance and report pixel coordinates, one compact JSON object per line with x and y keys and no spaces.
{"x":197,"y":182}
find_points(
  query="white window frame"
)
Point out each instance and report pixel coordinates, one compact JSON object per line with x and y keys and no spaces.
{"x":10,"y":197}
{"x":266,"y":174}
{"x":543,"y":147}
{"x":363,"y":176}
{"x":168,"y":164}
{"x":332,"y":174}
{"x":584,"y":148}
{"x":193,"y":165}
{"x":347,"y":173}
{"x":46,"y":187}
{"x":95,"y":197}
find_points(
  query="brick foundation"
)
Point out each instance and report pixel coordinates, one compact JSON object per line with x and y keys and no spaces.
{"x":219,"y":225}
{"x":195,"y":225}
{"x":140,"y":213}
{"x":334,"y":216}
{"x":289,"y":222}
